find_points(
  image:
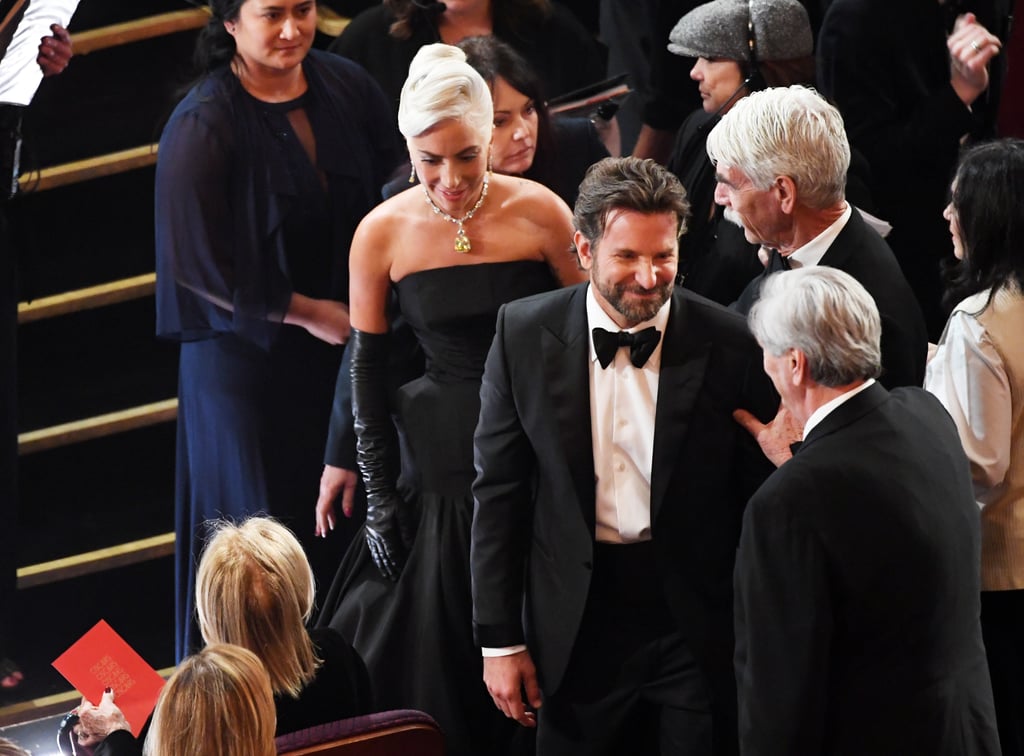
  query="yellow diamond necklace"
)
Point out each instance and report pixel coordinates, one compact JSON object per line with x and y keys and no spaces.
{"x":462,"y":244}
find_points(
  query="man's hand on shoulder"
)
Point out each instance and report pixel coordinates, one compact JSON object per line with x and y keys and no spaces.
{"x":506,"y":678}
{"x":775,"y":437}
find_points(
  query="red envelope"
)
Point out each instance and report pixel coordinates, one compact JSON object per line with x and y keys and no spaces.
{"x":102,"y":659}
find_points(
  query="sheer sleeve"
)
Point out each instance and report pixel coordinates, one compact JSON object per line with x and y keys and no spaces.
{"x":214,"y":270}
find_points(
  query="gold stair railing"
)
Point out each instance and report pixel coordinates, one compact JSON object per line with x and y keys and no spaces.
{"x":90,"y":298}
{"x":78,"y":171}
{"x":102,"y":38}
{"x":99,"y":560}
{"x":99,"y":426}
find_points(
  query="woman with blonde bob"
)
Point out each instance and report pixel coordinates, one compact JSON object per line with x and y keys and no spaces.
{"x":217,"y":703}
{"x":255,"y":589}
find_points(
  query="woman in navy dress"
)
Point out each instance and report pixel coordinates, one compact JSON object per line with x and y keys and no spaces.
{"x":451,"y":250}
{"x":265,"y":169}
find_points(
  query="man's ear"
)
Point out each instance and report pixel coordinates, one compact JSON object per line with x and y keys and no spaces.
{"x":584,"y":250}
{"x":786,"y":188}
{"x":798,"y":370}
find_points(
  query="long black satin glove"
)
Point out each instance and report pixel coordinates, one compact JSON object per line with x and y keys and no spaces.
{"x":377,"y":451}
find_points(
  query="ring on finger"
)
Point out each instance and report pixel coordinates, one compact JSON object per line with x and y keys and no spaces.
{"x":975,"y":46}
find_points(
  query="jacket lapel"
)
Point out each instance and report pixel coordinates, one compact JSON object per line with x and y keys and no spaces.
{"x":684,"y":360}
{"x":565,"y":350}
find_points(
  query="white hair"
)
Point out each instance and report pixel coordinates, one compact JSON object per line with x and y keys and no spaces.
{"x":826,"y":314}
{"x":786,"y":131}
{"x":442,"y":86}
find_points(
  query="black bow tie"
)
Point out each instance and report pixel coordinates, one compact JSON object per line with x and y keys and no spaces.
{"x":778,"y":262}
{"x":641,"y":345}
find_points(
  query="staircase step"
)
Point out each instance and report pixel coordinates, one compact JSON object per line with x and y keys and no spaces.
{"x":93,"y":362}
{"x":100,"y":560}
{"x":82,"y":235}
{"x":109,"y":491}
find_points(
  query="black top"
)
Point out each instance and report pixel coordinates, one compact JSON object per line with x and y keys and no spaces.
{"x":341,"y":688}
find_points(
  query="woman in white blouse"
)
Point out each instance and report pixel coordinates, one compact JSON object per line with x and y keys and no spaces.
{"x":977,"y":371}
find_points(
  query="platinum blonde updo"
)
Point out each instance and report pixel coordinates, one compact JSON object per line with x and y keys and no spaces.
{"x":442,"y":86}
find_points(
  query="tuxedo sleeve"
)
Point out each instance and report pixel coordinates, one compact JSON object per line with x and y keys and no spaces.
{"x":784,"y":627}
{"x":503,"y":512}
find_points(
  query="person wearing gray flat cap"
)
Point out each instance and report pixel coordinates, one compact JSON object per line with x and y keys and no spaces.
{"x":740,"y":46}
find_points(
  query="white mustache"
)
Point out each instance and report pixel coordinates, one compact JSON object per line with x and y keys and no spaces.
{"x":733,"y":217}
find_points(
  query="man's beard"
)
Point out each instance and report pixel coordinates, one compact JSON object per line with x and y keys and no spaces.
{"x":636,"y":311}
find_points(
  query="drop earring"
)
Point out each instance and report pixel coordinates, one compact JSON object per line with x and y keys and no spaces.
{"x":412,"y":174}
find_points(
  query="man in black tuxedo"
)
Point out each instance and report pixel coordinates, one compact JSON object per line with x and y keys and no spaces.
{"x":857,"y":577}
{"x":781,"y":158}
{"x":610,"y":488}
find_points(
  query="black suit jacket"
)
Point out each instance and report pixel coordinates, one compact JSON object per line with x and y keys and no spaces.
{"x":861,"y":252}
{"x":858,"y":591}
{"x":533,"y":528}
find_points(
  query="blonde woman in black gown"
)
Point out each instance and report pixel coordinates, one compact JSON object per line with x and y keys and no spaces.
{"x":453,"y":249}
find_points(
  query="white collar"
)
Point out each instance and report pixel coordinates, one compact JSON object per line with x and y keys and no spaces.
{"x":830,"y":406}
{"x":811,"y":253}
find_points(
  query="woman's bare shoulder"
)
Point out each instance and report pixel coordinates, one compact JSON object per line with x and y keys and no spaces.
{"x":531,"y":199}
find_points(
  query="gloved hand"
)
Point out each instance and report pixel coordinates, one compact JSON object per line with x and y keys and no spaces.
{"x":384,"y":535}
{"x":377,"y":451}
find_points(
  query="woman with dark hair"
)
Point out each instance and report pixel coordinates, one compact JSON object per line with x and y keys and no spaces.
{"x":528,"y":140}
{"x":384,"y":39}
{"x":265,"y":169}
{"x":977,"y":371}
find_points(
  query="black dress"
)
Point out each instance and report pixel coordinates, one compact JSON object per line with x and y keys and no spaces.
{"x":416,"y":635}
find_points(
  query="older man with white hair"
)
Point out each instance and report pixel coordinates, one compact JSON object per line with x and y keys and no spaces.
{"x":857,"y":580}
{"x":781,"y":158}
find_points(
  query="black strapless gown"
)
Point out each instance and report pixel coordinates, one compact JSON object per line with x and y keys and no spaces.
{"x":416,"y":635}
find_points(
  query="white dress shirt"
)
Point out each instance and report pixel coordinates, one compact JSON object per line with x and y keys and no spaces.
{"x":830,"y":406}
{"x":811,"y":253}
{"x":622,"y":404}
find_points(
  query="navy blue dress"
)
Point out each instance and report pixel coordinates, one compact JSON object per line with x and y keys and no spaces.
{"x":243,"y":220}
{"x":416,"y":635}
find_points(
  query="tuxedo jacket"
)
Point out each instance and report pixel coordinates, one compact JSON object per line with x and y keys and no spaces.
{"x":858,"y":591}
{"x":533,"y":526}
{"x":861,"y":252}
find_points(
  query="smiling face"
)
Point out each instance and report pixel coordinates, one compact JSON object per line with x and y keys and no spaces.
{"x":273,"y":35}
{"x":515,"y":129}
{"x":451,"y":162}
{"x":633,"y":265}
{"x":720,"y":81}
